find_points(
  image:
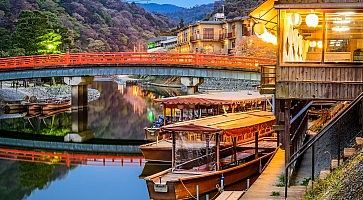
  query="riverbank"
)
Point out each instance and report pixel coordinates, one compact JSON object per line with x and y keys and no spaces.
{"x":8,"y":93}
{"x":209,"y":84}
{"x":343,"y":183}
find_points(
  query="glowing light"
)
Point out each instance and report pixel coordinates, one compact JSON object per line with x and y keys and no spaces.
{"x":268,"y":37}
{"x":259,"y":28}
{"x":295,"y":19}
{"x":341,"y":21}
{"x":320,"y":44}
{"x":312,"y":44}
{"x":346,"y":13}
{"x":312,"y":20}
{"x":341,"y":28}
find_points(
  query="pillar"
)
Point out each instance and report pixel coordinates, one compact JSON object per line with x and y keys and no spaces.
{"x":80,"y":131}
{"x":79,"y":99}
{"x":191,"y":83}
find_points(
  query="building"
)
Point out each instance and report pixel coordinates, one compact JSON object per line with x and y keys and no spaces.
{"x":319,"y":57}
{"x":213,"y":37}
{"x":161,"y":44}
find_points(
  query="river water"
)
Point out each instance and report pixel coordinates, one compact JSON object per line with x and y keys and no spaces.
{"x":118,"y":116}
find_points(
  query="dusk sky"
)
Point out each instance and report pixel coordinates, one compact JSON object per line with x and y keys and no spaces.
{"x":183,"y":3}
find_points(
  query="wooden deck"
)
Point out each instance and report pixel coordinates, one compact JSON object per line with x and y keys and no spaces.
{"x":230,"y":195}
{"x":266,"y":183}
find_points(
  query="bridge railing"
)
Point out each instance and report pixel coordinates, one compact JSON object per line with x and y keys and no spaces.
{"x":132,"y":58}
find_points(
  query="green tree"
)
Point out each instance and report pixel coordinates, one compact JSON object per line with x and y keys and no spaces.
{"x":36,"y":30}
{"x":49,"y":43}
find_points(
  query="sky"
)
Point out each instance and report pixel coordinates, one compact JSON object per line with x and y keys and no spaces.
{"x":182,"y":3}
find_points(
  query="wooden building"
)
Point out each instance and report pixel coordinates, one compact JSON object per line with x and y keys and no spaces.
{"x":319,"y":57}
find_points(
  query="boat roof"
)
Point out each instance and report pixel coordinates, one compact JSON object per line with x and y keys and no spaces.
{"x":230,"y":124}
{"x":217,"y":98}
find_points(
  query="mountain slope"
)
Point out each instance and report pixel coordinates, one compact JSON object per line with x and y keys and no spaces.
{"x":235,"y":8}
{"x":188,"y":15}
{"x":84,"y":25}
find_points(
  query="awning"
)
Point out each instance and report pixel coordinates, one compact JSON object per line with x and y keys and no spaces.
{"x":220,"y":98}
{"x":266,"y":14}
{"x":232,"y":124}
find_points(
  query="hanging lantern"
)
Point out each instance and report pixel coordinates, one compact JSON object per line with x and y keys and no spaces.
{"x":296,"y":19}
{"x":259,"y":28}
{"x":312,"y":44}
{"x":320,"y":44}
{"x":312,"y":20}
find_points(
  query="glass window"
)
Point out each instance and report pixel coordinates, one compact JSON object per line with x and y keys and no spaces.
{"x":208,"y":33}
{"x":344,"y":37}
{"x":302,"y":35}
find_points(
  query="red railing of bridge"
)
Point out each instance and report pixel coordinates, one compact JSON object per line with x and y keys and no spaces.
{"x":69,"y":159}
{"x":132,"y":58}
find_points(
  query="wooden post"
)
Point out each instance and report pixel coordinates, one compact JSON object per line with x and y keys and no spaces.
{"x":171,"y":115}
{"x":207,"y":149}
{"x":256,"y":143}
{"x":234,"y":141}
{"x":173,"y":151}
{"x":287,"y":131}
{"x":217,"y":151}
{"x":164,"y":113}
{"x":182,"y":114}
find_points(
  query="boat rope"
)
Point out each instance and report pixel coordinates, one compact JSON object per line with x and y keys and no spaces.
{"x":215,"y":196}
{"x":187,"y":189}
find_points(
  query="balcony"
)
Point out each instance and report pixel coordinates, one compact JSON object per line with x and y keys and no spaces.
{"x":231,"y":35}
{"x":205,"y":37}
{"x":268,"y":79}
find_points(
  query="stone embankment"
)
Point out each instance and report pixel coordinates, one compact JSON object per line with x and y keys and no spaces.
{"x":42,"y":92}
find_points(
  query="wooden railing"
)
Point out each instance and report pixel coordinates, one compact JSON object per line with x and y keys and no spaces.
{"x":132,"y":58}
{"x":268,"y":79}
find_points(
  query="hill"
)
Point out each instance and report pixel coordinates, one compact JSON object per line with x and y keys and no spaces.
{"x":51,"y":26}
{"x":175,"y":13}
{"x":235,"y":8}
{"x":161,"y":8}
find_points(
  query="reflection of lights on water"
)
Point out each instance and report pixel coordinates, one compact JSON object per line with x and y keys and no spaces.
{"x":150,"y":115}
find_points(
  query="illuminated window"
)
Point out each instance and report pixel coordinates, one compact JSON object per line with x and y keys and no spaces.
{"x":302,"y":35}
{"x":344,"y":37}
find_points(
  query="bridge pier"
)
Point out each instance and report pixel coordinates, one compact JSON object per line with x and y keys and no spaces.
{"x":192,"y":84}
{"x":80,"y":131}
{"x":79,"y":98}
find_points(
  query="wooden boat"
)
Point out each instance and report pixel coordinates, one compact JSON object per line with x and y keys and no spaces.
{"x":160,"y":151}
{"x":55,"y":105}
{"x":216,"y":167}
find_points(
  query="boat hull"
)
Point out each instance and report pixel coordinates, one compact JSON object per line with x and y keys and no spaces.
{"x":182,"y":188}
{"x":157,"y":154}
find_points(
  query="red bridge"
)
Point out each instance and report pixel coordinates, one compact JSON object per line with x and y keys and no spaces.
{"x":78,"y":64}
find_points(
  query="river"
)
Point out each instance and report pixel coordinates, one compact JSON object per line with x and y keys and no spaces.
{"x":120,"y":115}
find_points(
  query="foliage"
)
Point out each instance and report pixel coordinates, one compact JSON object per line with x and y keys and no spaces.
{"x":254,"y":46}
{"x":49,"y":43}
{"x":32,"y":26}
{"x":281,"y":182}
{"x":35,"y":176}
{"x":275,"y":194}
{"x":341,"y":183}
{"x":235,"y":8}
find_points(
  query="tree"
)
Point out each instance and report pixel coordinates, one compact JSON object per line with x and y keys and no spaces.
{"x":37,"y":31}
{"x":181,"y":24}
{"x":254,"y":46}
{"x":49,"y":43}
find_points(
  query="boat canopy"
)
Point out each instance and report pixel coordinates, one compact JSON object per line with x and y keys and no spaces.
{"x":220,"y":98}
{"x":232,"y":124}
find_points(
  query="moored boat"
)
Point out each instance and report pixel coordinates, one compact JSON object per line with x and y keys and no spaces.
{"x":161,"y":150}
{"x":213,"y":168}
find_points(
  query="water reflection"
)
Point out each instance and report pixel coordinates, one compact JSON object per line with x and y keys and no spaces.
{"x":121,"y":112}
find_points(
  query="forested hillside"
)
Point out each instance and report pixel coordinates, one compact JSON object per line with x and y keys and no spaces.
{"x":175,"y":13}
{"x":50,"y":26}
{"x":236,"y":8}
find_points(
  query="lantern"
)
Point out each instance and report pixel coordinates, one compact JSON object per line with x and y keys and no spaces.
{"x":312,"y":20}
{"x":259,"y":28}
{"x":312,"y":44}
{"x":296,"y":19}
{"x":320,"y":44}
